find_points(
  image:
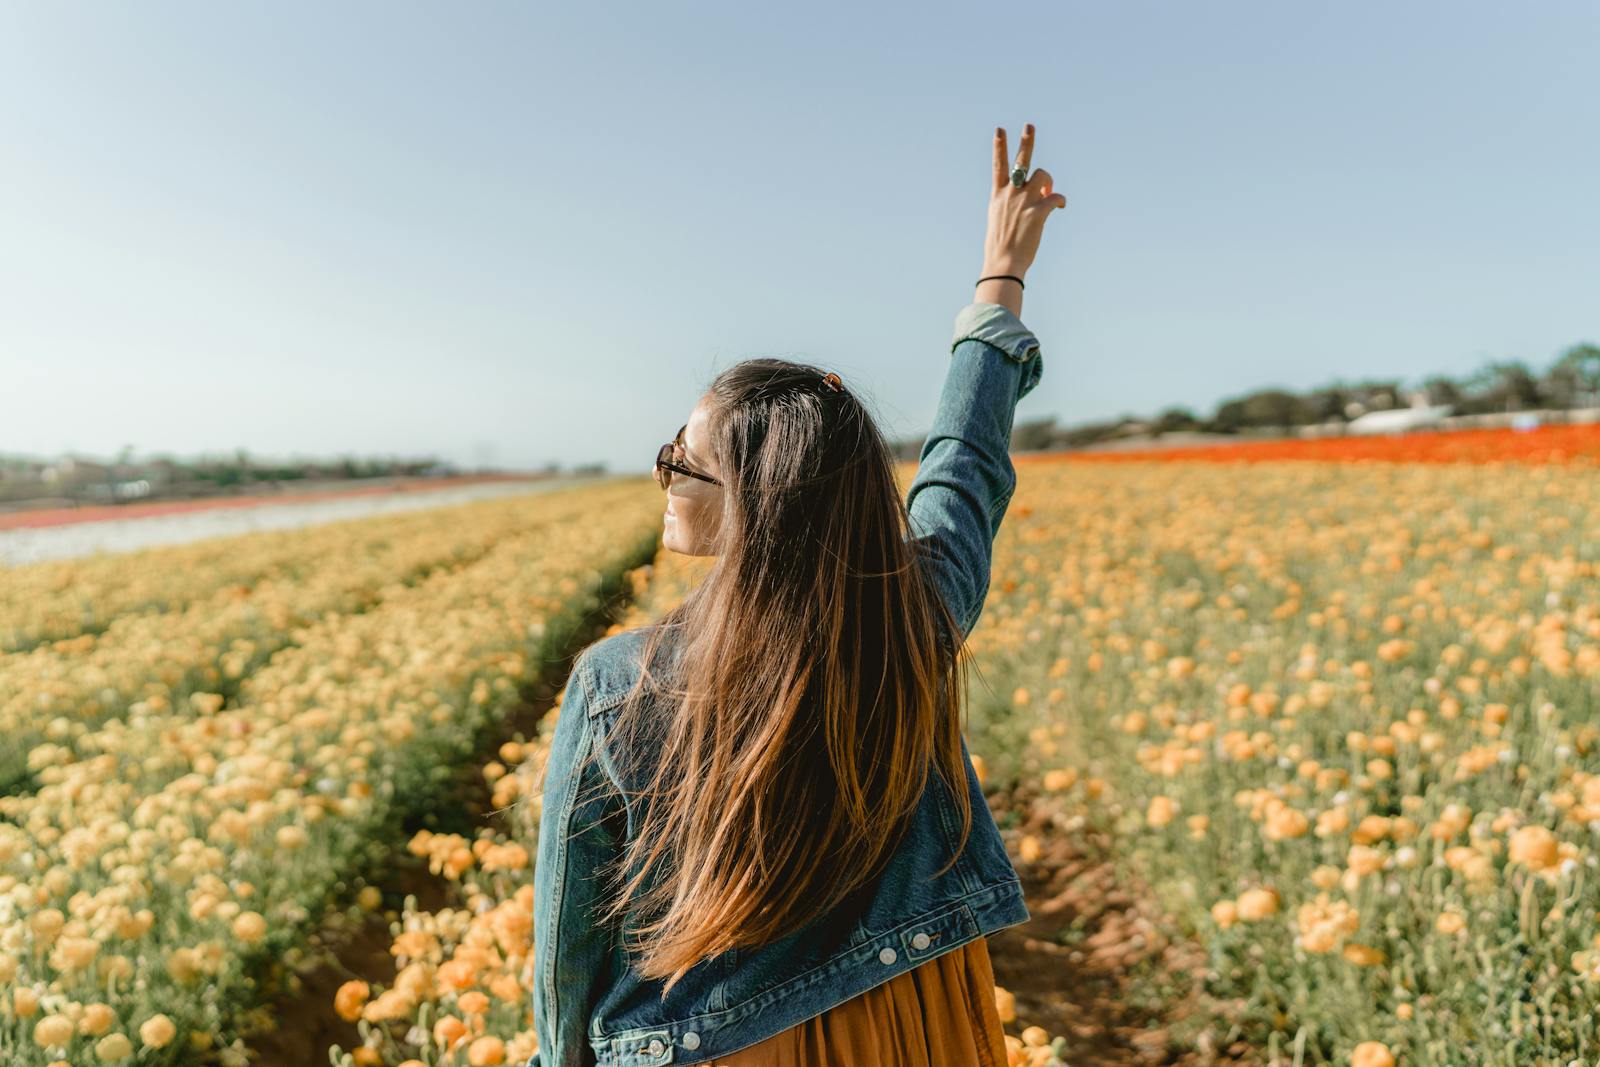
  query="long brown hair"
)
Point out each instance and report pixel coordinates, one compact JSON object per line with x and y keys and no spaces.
{"x":815,"y":682}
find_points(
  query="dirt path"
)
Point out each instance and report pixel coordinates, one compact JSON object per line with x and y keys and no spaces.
{"x":1098,"y":965}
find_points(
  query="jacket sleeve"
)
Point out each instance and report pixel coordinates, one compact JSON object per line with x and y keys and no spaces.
{"x":964,"y":478}
{"x":578,"y":833}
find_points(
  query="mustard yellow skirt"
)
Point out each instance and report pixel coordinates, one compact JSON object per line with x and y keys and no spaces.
{"x":939,"y":1014}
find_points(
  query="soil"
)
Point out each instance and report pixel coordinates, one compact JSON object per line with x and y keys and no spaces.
{"x":1098,"y":965}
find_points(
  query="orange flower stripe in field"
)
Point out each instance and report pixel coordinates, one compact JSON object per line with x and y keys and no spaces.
{"x":1578,"y":444}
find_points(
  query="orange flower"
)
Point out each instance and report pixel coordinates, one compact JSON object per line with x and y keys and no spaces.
{"x":1535,"y":847}
{"x":1372,"y":1054}
{"x":350,"y":999}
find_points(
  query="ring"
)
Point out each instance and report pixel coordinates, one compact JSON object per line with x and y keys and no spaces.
{"x":1019,"y":176}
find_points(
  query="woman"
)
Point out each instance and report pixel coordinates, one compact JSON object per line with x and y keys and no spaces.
{"x":762,"y":841}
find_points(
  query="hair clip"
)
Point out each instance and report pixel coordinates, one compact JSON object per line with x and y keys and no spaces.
{"x":831,"y":380}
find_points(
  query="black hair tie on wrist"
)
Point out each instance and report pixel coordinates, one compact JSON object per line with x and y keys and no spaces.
{"x":992,"y":277}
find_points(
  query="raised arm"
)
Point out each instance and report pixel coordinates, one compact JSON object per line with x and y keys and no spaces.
{"x":964,"y":478}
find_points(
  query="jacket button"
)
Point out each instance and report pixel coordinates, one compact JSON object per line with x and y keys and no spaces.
{"x":691,"y":1040}
{"x":655,"y":1047}
{"x":887,"y":955}
{"x":920,"y":941}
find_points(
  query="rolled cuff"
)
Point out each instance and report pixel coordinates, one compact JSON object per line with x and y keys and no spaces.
{"x":997,"y":325}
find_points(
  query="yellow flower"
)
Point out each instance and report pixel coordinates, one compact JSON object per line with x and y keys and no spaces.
{"x":1363,"y":860}
{"x":52,"y":1030}
{"x":1257,"y":904}
{"x":1372,"y":1054}
{"x":1058,"y":780}
{"x":1370,"y":829}
{"x":1534,"y":846}
{"x":1285,"y":823}
{"x":157,"y":1031}
{"x":449,"y":1032}
{"x":487,"y":1051}
{"x":1005,"y":1003}
{"x":250,"y":927}
{"x":1325,"y":876}
{"x":1161,"y":811}
{"x":1029,"y":850}
{"x":113,"y":1047}
{"x":1363,"y":955}
{"x":96,"y":1020}
{"x":1333,"y":821}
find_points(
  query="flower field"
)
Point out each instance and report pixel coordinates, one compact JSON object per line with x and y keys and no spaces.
{"x":1343,"y":718}
{"x":1340,"y":720}
{"x":1558,"y":443}
{"x":169,"y":850}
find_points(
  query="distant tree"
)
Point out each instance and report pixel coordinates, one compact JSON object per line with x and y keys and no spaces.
{"x":1033,"y":434}
{"x":1229,"y":417}
{"x":1272,"y":407}
{"x":1174,"y":420}
{"x":1264,"y":407}
{"x":1321,"y":405}
{"x":1515,"y":389}
{"x":1376,"y":394}
{"x":1440,"y":389}
{"x":1573,"y":380}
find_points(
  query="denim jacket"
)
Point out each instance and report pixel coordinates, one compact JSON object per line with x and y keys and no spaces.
{"x":589,"y":1006}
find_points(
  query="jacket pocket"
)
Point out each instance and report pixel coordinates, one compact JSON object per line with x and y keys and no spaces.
{"x":718,"y":1000}
{"x":945,"y":802}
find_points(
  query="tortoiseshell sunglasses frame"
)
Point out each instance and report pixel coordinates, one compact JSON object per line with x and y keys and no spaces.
{"x":666,"y":466}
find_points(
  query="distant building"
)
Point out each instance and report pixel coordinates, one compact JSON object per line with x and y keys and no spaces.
{"x":162,"y":472}
{"x":74,"y":471}
{"x":1399,"y":420}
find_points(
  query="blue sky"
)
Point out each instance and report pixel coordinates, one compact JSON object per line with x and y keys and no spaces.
{"x":529,"y":233}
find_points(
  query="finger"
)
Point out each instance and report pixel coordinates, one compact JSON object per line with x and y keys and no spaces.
{"x":999,"y":156}
{"x":1025,"y":149}
{"x":1040,"y":183}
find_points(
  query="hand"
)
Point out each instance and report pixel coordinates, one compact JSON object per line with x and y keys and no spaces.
{"x":1016,"y":216}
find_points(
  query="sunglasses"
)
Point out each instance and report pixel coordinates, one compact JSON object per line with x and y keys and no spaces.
{"x":667,"y":463}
